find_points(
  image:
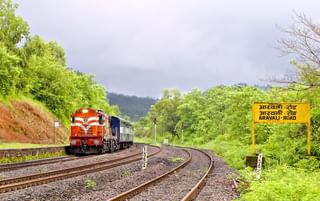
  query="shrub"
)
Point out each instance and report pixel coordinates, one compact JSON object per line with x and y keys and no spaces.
{"x":90,"y":184}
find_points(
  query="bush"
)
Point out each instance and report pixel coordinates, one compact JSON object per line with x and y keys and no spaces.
{"x":285,"y":183}
{"x":234,"y":152}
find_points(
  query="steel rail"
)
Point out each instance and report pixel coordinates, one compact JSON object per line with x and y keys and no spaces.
{"x":193,"y":193}
{"x":14,"y":166}
{"x":35,"y":176}
{"x":38,"y":179}
{"x":134,"y":191}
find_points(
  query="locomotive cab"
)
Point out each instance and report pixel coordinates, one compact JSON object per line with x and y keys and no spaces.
{"x":92,"y":131}
{"x":88,"y":128}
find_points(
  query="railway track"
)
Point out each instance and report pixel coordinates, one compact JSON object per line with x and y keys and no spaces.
{"x":43,"y":178}
{"x":197,"y":188}
{"x":14,"y":166}
{"x":189,"y":196}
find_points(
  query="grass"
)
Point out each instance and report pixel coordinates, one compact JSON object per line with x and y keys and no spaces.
{"x":90,"y":184}
{"x":175,"y":159}
{"x":23,"y":145}
{"x":126,"y":173}
{"x":145,"y":140}
{"x":19,"y":159}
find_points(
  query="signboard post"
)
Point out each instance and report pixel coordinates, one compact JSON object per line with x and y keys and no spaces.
{"x":281,"y":113}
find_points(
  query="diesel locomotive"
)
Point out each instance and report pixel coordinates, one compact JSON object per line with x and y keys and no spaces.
{"x":93,"y":131}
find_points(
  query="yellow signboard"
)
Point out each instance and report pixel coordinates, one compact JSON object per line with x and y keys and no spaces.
{"x":281,"y":112}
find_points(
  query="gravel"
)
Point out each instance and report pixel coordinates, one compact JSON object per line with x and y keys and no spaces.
{"x":68,"y":164}
{"x":177,"y":185}
{"x":104,"y":184}
{"x":109,"y":183}
{"x":219,"y":183}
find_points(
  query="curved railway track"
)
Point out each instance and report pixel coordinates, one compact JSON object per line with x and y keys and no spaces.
{"x":43,"y":178}
{"x":14,"y":166}
{"x":193,"y":193}
{"x":189,"y":196}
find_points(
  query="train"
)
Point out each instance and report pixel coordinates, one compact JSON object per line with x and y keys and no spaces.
{"x":95,"y":132}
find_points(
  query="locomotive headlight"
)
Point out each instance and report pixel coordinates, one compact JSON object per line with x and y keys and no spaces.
{"x":73,"y":142}
{"x":96,"y":142}
{"x":84,"y":111}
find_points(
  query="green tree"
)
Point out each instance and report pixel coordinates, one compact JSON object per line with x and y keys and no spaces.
{"x":12,"y":28}
{"x":9,"y":71}
{"x":165,"y":111}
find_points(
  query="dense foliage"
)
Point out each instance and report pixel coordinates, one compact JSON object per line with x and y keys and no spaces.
{"x":32,"y":67}
{"x":220,"y":118}
{"x":132,"y":106}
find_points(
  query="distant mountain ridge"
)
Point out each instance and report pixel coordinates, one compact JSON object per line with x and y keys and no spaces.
{"x":132,"y":106}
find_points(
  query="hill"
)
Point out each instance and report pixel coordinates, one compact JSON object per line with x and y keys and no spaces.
{"x":34,"y":68}
{"x":27,"y":121}
{"x":132,"y":106}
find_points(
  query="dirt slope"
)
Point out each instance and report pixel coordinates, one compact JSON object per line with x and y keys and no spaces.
{"x":21,"y":121}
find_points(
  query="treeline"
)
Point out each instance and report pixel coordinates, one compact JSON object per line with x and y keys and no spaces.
{"x":132,"y":106}
{"x":30,"y":66}
{"x":225,"y":113}
{"x":220,"y":118}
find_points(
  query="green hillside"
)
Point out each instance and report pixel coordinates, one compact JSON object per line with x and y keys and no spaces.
{"x":132,"y":106}
{"x":220,"y":118}
{"x":35,"y":68}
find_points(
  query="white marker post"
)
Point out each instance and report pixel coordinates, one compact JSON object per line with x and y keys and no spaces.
{"x":259,"y":166}
{"x":144,"y":158}
{"x":56,"y":125}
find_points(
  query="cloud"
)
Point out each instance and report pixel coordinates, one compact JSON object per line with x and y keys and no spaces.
{"x":141,"y":47}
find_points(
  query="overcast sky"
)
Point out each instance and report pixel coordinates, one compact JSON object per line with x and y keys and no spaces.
{"x":139,"y":47}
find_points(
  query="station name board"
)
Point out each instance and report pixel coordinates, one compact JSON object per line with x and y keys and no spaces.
{"x":281,"y":112}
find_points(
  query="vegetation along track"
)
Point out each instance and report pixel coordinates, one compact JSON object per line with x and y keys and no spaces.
{"x":187,"y":196}
{"x":43,"y":178}
{"x":14,"y":166}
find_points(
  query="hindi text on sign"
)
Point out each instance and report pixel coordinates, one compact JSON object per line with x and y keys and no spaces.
{"x":281,"y":112}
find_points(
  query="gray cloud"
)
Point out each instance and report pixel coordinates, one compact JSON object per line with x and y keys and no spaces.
{"x":140,"y":47}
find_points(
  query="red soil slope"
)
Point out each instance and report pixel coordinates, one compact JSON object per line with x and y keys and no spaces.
{"x":26,"y":123}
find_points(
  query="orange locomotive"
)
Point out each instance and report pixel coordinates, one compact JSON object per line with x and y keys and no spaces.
{"x":93,"y":131}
